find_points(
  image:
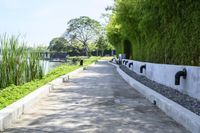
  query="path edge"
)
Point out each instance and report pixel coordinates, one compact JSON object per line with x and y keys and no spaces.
{"x":183,"y":116}
{"x":14,"y":111}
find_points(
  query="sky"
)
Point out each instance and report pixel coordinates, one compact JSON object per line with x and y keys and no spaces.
{"x":38,"y":21}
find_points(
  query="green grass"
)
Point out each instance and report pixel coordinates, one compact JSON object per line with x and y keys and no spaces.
{"x":91,"y":60}
{"x":108,"y":58}
{"x":13,"y":93}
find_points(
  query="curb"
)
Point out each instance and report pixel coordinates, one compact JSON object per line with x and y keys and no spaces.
{"x":185,"y":117}
{"x":13,"y":112}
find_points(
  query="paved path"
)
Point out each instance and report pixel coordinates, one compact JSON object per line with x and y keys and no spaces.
{"x":98,"y":100}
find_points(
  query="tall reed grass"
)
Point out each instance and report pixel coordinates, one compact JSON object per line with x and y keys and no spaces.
{"x":17,"y":64}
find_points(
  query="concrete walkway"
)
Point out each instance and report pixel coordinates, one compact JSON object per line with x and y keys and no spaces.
{"x":98,"y":100}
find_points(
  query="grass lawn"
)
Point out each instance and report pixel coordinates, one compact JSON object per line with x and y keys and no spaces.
{"x":13,"y":93}
{"x":107,"y":58}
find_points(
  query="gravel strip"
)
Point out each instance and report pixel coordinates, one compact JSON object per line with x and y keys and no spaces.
{"x":186,"y":101}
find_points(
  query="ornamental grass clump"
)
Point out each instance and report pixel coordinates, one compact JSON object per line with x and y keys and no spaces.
{"x":17,"y":64}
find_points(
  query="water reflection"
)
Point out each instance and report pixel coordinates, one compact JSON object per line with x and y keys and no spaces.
{"x":48,"y":66}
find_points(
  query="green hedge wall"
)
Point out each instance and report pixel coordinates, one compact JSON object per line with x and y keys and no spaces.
{"x":160,"y":31}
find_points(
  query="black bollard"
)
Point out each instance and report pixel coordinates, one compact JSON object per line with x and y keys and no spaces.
{"x":81,"y":63}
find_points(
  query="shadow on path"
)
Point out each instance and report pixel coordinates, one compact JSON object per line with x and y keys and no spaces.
{"x":98,"y":100}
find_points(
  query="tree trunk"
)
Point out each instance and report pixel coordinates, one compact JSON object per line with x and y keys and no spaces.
{"x":102,"y":52}
{"x":86,"y":49}
{"x":97,"y":53}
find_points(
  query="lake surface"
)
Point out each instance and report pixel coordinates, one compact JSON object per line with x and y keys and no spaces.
{"x":48,"y":66}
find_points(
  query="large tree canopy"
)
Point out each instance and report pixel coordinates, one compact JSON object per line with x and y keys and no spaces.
{"x":84,"y":30}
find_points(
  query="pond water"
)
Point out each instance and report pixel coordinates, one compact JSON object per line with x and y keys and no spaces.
{"x":48,"y":66}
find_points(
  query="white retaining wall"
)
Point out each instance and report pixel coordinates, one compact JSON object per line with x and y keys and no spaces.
{"x":165,"y":74}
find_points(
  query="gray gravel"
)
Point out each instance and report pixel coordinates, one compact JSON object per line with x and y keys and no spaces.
{"x":185,"y":100}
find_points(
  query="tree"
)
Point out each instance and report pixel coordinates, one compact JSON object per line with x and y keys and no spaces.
{"x":83,"y":29}
{"x":102,"y":44}
{"x":59,"y":44}
{"x":76,"y":48}
{"x":92,"y":48}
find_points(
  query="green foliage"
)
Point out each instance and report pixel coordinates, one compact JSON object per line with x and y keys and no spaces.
{"x":159,"y":31}
{"x":84,"y":30}
{"x":90,"y":60}
{"x":75,"y":59}
{"x":77,"y":48}
{"x":114,"y":34}
{"x":17,"y":65}
{"x":12,"y":93}
{"x":92,"y":47}
{"x":59,"y":44}
{"x":102,"y":44}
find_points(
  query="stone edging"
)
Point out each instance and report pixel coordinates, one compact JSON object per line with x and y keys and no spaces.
{"x":185,"y":117}
{"x":13,"y":112}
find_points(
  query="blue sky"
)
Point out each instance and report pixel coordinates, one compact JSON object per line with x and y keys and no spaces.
{"x":38,"y":21}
